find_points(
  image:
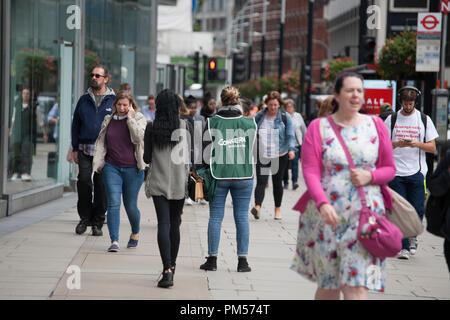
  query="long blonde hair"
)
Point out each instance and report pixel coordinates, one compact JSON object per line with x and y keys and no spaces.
{"x":184,"y":111}
{"x":326,"y":107}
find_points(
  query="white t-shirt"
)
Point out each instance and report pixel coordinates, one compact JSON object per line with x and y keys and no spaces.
{"x":410,"y":127}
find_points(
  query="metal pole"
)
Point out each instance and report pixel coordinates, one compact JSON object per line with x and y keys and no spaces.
{"x":249,"y":76}
{"x":280,"y":60}
{"x":204,"y":57}
{"x":309,"y":55}
{"x":263,"y":39}
{"x":250,"y":41}
{"x":229,"y":62}
{"x":302,"y":84}
{"x":362,"y":28}
{"x":153,"y":46}
{"x":443,"y":50}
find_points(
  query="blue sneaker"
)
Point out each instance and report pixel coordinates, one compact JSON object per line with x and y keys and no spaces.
{"x":132,"y":243}
{"x":113,"y":248}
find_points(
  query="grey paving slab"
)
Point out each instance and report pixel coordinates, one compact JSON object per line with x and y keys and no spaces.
{"x":35,"y":254}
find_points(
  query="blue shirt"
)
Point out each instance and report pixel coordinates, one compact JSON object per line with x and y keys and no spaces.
{"x":54,"y":114}
{"x":148,"y":114}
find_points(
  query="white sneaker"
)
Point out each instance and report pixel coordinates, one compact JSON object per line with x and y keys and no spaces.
{"x":413,"y":244}
{"x":188,"y":201}
{"x":15,"y":177}
{"x":404,"y":255}
{"x":26,"y":177}
{"x":203,"y":202}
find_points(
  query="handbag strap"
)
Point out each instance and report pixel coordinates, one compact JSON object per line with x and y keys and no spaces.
{"x":349,"y":157}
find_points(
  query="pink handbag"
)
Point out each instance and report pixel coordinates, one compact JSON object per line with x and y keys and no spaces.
{"x":380,"y":237}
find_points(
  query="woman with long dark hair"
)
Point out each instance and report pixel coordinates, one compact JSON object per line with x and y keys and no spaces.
{"x":167,"y":149}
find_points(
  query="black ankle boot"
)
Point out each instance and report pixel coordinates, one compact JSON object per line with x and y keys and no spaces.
{"x":210,"y":264}
{"x":243,"y":265}
{"x":167,"y":280}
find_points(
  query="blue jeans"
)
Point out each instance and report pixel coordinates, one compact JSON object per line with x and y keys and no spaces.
{"x":412,"y":189}
{"x":294,"y":168}
{"x":241,"y":192}
{"x":118,"y":181}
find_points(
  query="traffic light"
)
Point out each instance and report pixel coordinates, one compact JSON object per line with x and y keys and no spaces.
{"x":212,"y":69}
{"x":307,"y":73}
{"x":368,"y":50}
{"x":194,"y":75}
{"x":322,"y":73}
{"x":239,"y":69}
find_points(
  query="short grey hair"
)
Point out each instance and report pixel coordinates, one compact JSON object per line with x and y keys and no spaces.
{"x":289,"y":101}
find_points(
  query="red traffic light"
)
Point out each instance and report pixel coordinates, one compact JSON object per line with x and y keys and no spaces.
{"x":212,"y":65}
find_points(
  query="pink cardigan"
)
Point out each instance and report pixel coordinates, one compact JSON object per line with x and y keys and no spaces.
{"x":312,"y":165}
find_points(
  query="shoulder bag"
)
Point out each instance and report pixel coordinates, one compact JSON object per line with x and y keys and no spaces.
{"x":380,"y":237}
{"x":404,"y":216}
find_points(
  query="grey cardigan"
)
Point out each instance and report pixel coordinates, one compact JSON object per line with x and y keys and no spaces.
{"x":169,"y":168}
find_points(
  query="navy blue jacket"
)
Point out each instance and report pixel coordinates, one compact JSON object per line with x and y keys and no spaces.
{"x":87,"y":119}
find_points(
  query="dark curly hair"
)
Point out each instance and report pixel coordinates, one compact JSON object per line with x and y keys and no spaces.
{"x":167,"y":118}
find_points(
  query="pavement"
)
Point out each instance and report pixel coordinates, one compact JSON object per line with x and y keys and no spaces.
{"x":41,"y":258}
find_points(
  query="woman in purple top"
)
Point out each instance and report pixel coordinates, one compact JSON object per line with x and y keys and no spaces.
{"x":118,"y":154}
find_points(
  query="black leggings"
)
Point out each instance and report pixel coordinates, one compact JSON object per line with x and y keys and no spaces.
{"x":168,"y":213}
{"x":262,"y":177}
{"x":447,"y":252}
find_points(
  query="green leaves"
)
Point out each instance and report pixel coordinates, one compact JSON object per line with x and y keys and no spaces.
{"x":397,"y":59}
{"x":336,"y":66}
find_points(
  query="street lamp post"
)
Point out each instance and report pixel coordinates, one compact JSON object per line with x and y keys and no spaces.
{"x":280,"y":60}
{"x":309,"y":55}
{"x":250,"y":42}
{"x":263,"y":38}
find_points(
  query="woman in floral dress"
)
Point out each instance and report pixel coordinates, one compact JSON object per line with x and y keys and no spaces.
{"x":328,"y":251}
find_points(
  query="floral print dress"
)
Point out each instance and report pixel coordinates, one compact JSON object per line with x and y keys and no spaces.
{"x":332,"y":256}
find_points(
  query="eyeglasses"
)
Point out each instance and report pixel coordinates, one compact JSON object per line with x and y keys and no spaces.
{"x":96,"y":75}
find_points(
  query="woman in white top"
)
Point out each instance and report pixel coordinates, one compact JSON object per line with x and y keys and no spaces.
{"x":299,"y":130}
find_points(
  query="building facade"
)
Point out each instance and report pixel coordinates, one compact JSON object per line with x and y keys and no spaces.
{"x":295,"y":38}
{"x":213,"y":17}
{"x":48,"y":50}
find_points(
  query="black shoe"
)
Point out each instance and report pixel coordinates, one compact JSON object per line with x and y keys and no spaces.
{"x":210,"y":264}
{"x":173,"y":270}
{"x":256,"y":213}
{"x":166,"y":281}
{"x":243,"y":265}
{"x":81,"y":227}
{"x":295,"y":186}
{"x":96,"y":231}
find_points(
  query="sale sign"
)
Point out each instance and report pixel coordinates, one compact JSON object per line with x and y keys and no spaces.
{"x":376,"y":93}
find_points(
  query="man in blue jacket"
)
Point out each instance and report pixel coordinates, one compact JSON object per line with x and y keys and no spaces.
{"x":91,"y":108}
